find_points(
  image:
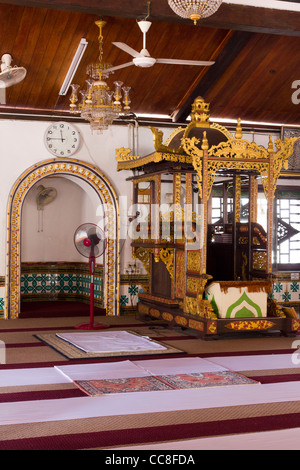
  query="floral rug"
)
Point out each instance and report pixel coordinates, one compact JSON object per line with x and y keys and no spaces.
{"x":162,"y":382}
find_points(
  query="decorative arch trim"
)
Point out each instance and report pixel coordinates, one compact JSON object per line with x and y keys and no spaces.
{"x":17,"y":195}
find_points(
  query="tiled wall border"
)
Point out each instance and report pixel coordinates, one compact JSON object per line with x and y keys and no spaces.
{"x":70,"y":281}
{"x":64,"y":281}
{"x":286,"y":288}
{"x":131,"y":285}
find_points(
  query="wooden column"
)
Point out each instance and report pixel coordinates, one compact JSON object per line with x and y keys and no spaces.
{"x":177,"y":206}
{"x":188,"y":213}
{"x":253,"y":198}
{"x":225,"y":204}
{"x":156,"y":214}
{"x":236,"y":216}
{"x":253,"y":187}
{"x":271,"y":187}
{"x":204,"y":202}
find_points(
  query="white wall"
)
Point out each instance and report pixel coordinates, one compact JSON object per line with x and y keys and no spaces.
{"x":48,"y":235}
{"x":22,"y":145}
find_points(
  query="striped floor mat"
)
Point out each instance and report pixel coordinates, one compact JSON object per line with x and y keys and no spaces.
{"x":53,"y":413}
{"x":42,"y":409}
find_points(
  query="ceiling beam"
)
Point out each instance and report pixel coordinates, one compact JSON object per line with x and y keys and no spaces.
{"x":235,"y":44}
{"x":229,"y":16}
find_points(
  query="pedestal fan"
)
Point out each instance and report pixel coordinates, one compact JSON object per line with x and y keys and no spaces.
{"x":90,"y":242}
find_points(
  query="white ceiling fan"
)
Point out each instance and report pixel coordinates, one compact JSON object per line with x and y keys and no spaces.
{"x":10,"y":75}
{"x":143,"y":58}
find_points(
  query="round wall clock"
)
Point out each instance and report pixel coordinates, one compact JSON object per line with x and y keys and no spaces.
{"x":62,"y":139}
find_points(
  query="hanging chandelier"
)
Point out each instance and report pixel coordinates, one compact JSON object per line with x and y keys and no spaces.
{"x":194,"y":9}
{"x":99,"y":105}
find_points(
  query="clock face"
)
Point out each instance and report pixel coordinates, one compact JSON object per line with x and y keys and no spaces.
{"x":62,"y":139}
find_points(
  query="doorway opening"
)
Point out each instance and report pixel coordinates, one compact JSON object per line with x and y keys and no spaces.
{"x":40,"y":237}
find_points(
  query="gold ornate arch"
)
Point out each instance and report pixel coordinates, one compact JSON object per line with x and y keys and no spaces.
{"x":108,"y":197}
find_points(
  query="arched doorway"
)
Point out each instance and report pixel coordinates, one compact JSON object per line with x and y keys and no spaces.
{"x":107,"y":195}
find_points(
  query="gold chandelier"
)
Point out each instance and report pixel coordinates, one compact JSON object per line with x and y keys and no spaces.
{"x":194,"y":9}
{"x":99,"y":105}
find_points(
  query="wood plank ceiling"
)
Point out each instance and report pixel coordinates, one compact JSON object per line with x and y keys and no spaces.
{"x":256,"y":53}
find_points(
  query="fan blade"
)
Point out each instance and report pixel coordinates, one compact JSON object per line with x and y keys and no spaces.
{"x":184,"y":62}
{"x":117,"y":67}
{"x":12,"y":76}
{"x":127,"y":49}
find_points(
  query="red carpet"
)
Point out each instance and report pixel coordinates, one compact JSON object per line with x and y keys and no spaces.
{"x":57,"y":308}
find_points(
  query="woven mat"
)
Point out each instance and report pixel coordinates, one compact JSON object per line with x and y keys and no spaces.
{"x":70,"y":351}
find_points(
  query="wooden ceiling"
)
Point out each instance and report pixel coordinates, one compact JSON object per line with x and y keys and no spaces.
{"x":256,"y":53}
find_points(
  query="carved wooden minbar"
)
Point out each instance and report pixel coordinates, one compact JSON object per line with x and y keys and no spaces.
{"x":181,"y":249}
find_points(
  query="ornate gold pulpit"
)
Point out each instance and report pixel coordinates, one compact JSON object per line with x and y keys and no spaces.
{"x":195,"y":265}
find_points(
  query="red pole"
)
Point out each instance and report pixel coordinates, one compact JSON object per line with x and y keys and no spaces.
{"x":92,"y":270}
{"x":92,"y":302}
{"x":91,"y":325}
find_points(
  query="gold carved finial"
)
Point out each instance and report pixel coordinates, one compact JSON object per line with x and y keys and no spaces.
{"x":270,"y":147}
{"x":239,"y":131}
{"x":200,"y":112}
{"x":204,"y":144}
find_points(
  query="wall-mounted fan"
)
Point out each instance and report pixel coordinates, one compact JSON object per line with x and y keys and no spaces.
{"x":10,"y":75}
{"x":44,"y":197}
{"x":90,"y":242}
{"x":143,"y":58}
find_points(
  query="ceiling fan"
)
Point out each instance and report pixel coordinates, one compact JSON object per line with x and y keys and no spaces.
{"x":143,"y":58}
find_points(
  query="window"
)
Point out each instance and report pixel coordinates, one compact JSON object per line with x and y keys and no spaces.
{"x":287,"y":202}
{"x":288,"y":228}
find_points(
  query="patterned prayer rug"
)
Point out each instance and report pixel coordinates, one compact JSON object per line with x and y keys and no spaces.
{"x":70,"y":351}
{"x":206,"y":379}
{"x":132,"y":384}
{"x":162,"y":382}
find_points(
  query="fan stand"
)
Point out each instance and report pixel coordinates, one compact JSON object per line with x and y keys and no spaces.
{"x":91,"y":325}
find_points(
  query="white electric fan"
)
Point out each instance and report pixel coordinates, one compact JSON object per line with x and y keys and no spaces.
{"x":10,"y":75}
{"x":90,"y":242}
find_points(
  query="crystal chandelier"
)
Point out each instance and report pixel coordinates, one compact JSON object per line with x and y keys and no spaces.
{"x":99,"y":105}
{"x":194,"y":9}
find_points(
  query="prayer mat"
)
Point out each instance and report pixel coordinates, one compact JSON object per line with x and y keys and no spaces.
{"x":71,"y":351}
{"x":110,"y":341}
{"x":96,"y":388}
